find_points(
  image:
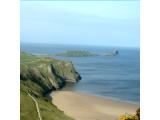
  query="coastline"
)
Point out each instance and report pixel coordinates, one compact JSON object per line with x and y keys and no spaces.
{"x":82,"y":106}
{"x":70,"y":87}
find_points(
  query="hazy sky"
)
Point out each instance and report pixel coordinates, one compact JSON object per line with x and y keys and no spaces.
{"x":107,"y":23}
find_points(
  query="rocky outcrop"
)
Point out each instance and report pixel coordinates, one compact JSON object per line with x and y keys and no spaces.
{"x":47,"y":73}
{"x":38,"y":76}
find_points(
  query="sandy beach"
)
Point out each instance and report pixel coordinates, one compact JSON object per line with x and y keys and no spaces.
{"x":82,"y":106}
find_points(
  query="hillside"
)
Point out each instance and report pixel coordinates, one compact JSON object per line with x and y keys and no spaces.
{"x":38,"y":76}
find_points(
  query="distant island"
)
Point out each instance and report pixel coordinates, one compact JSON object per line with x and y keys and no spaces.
{"x":76,"y":53}
{"x":84,"y":53}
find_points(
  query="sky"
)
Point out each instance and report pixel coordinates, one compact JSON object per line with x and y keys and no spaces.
{"x":102,"y":23}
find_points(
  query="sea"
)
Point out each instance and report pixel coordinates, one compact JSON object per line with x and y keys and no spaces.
{"x":113,"y":77}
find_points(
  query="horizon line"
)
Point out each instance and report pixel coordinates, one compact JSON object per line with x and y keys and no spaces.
{"x":79,"y":44}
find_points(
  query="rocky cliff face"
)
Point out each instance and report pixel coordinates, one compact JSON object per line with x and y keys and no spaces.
{"x":38,"y":76}
{"x":46,"y":72}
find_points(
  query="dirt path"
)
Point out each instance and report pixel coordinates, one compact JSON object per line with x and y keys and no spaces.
{"x":38,"y":111}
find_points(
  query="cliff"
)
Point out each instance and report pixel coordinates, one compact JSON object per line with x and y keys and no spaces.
{"x":38,"y":76}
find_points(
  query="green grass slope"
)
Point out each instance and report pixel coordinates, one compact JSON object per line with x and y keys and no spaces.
{"x":38,"y":76}
{"x":28,"y":108}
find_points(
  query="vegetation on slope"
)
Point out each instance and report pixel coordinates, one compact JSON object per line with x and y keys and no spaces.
{"x":83,"y":53}
{"x":77,"y":53}
{"x":131,"y":117}
{"x":38,"y":76}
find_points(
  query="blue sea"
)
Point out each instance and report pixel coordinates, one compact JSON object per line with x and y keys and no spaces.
{"x":115,"y":77}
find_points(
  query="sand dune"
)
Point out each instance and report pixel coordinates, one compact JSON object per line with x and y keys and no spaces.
{"x":82,"y":106}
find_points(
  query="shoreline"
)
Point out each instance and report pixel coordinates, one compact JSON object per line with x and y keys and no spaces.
{"x":82,"y":106}
{"x":109,"y":98}
{"x":70,"y":87}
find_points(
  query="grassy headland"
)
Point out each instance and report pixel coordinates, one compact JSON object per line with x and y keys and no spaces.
{"x":38,"y":76}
